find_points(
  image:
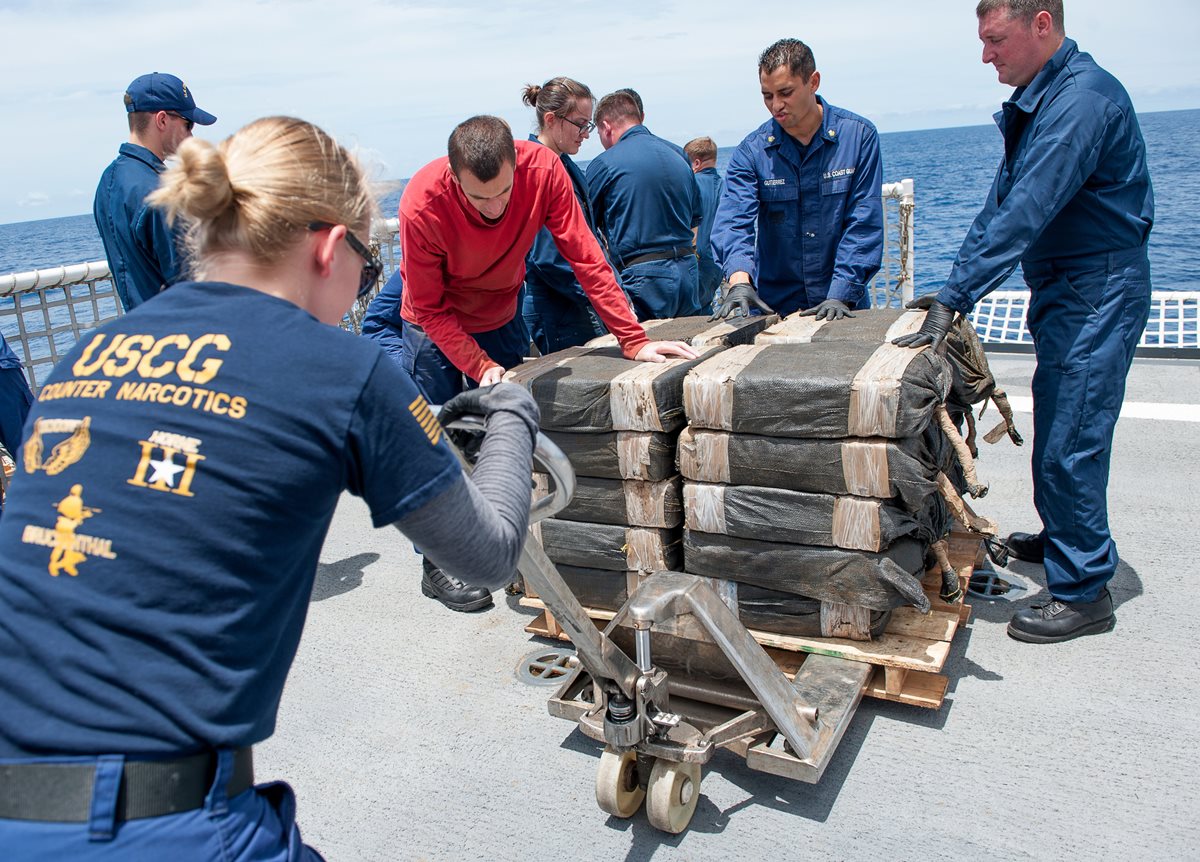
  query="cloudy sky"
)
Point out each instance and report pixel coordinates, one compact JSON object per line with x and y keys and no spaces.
{"x":393,"y":78}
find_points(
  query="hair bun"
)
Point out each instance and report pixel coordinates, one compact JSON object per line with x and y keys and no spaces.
{"x":530,"y":96}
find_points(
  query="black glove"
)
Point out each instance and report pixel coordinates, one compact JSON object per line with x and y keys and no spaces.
{"x":829,"y":309}
{"x":486,"y":400}
{"x":741,"y":297}
{"x":938,"y":321}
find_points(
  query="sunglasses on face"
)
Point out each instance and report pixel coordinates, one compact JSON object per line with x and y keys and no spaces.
{"x":191,"y":124}
{"x":372,"y":266}
{"x":584,"y":126}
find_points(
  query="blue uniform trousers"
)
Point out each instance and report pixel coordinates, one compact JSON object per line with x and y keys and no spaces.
{"x":710,"y":278}
{"x":258,"y":825}
{"x":15,"y":400}
{"x":1086,"y":315}
{"x":436,"y":377}
{"x":555,"y":322}
{"x":663,"y":288}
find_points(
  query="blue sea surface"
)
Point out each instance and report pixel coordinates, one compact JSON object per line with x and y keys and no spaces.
{"x":952,"y":171}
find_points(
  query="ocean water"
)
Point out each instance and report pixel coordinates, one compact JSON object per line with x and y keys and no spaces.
{"x":952,"y":170}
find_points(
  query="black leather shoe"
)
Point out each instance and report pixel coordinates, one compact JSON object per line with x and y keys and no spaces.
{"x":452,"y":592}
{"x":1060,"y":621}
{"x":1030,"y":547}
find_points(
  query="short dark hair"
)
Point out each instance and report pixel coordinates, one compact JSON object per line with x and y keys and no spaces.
{"x":792,"y":53}
{"x":618,"y":106}
{"x":481,"y":145}
{"x":138,"y":120}
{"x":701,"y":148}
{"x":637,"y":100}
{"x":1024,"y":10}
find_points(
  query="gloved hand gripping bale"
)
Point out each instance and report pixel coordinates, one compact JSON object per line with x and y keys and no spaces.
{"x":741,"y":297}
{"x":829,"y":309}
{"x":498,"y":488}
{"x":933,"y":331}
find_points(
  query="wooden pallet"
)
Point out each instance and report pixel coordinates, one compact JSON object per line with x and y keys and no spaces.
{"x":909,"y":656}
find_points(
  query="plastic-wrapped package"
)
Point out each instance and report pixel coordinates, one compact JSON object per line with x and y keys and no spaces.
{"x":589,"y":389}
{"x":802,"y":518}
{"x":614,"y":548}
{"x":645,"y":455}
{"x":626,"y":502}
{"x":879,"y":581}
{"x":700,"y":331}
{"x":839,"y":389}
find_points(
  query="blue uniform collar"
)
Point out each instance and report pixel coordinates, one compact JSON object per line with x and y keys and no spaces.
{"x":137,"y":151}
{"x":639,"y":129}
{"x":827,"y":133}
{"x":1028,"y":98}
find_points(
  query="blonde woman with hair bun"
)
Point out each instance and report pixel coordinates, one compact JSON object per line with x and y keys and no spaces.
{"x":224,"y":418}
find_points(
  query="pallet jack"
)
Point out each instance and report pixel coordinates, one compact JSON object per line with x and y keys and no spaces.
{"x":675,"y":677}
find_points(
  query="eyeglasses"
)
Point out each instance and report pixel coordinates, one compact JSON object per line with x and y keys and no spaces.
{"x":191,"y":124}
{"x":372,"y":266}
{"x":584,"y":126}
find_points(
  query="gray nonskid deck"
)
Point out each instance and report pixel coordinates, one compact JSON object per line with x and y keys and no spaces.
{"x":406,"y":734}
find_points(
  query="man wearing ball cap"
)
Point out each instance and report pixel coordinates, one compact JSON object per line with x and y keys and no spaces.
{"x":142,"y":251}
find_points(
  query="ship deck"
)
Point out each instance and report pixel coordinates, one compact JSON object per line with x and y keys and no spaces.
{"x":407,"y":735}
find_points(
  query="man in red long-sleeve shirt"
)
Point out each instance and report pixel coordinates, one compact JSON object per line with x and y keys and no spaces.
{"x":467,"y":222}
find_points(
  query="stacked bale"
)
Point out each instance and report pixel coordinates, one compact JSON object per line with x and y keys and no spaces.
{"x":617,"y":421}
{"x":811,"y":465}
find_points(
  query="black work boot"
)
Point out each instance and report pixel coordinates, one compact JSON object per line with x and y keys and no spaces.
{"x":452,"y":592}
{"x":1060,"y":621}
{"x":1030,"y":547}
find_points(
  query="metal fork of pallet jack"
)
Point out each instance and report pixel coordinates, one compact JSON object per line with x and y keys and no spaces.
{"x":630,"y":707}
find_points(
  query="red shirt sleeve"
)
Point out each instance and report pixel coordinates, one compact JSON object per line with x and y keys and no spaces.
{"x":424,"y":272}
{"x":578,"y":245}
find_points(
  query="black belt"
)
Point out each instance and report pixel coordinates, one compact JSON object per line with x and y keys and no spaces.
{"x":669,"y":254}
{"x":62,"y":792}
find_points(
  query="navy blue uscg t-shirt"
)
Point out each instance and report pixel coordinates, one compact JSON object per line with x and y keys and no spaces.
{"x":163,"y":529}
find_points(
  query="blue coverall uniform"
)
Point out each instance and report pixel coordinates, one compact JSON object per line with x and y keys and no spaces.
{"x":1072,"y":202}
{"x":142,"y":251}
{"x":645,"y":201}
{"x":806,"y":222}
{"x":15,"y":398}
{"x":710,"y":184}
{"x":557,"y":312}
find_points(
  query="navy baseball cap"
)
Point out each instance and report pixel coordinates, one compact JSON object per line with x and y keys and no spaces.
{"x":159,"y":91}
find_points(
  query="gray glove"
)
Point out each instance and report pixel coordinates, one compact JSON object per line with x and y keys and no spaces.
{"x":741,"y":297}
{"x":938,"y":321}
{"x":829,"y":309}
{"x":486,"y":400}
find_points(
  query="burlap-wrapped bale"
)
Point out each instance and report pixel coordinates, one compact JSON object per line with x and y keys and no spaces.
{"x":870,"y":467}
{"x":645,"y":455}
{"x":799,"y":616}
{"x":700,"y":331}
{"x":588,"y":389}
{"x":873,"y":326}
{"x":798,"y":517}
{"x":624,"y":502}
{"x":879,"y":581}
{"x":839,"y":389}
{"x":613,"y":548}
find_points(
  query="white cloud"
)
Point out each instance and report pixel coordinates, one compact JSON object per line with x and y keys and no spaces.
{"x":33,"y":200}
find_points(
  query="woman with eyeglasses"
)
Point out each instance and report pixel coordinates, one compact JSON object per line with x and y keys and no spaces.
{"x":557,"y":312}
{"x":180,"y":471}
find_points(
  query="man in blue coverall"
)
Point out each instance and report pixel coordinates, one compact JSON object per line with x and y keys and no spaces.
{"x":1073,"y":204}
{"x":646,"y":204}
{"x":800,"y":225}
{"x":142,"y":251}
{"x":702,"y":153}
{"x":15,"y":400}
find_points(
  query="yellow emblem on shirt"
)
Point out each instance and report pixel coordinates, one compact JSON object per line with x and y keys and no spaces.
{"x":424,"y":415}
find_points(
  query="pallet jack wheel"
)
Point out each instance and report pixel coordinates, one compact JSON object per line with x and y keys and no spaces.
{"x":617,"y":790}
{"x":672,"y":794}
